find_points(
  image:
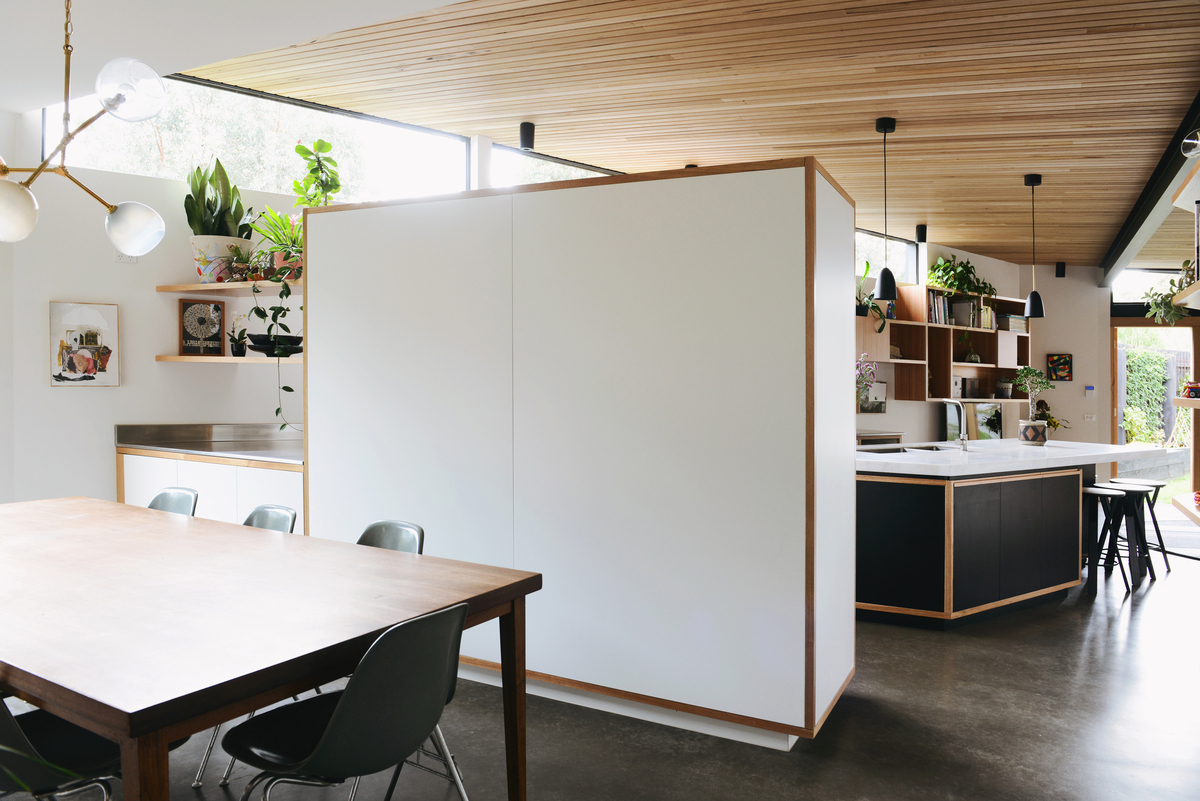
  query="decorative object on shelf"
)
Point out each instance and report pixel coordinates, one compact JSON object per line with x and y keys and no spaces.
{"x":1191,"y":390}
{"x":970,"y":388}
{"x":956,"y":386}
{"x":865,"y":304}
{"x":864,"y":377}
{"x":1058,"y":366}
{"x":84,"y":348}
{"x":958,"y":276}
{"x":237,"y":336}
{"x":1054,"y":423}
{"x":874,"y":400}
{"x":218,"y":222}
{"x":885,"y":288}
{"x":201,"y":327}
{"x":891,"y":310}
{"x":972,"y":356}
{"x":1033,"y":303}
{"x":128,"y":90}
{"x":1003,"y":388}
{"x":278,"y":345}
{"x":286,"y":235}
{"x":1161,"y":305}
{"x":1034,"y":382}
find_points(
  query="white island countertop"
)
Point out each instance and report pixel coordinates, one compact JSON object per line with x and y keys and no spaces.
{"x":987,"y":457}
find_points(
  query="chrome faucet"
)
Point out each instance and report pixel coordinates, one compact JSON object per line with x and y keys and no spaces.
{"x":962,"y":423}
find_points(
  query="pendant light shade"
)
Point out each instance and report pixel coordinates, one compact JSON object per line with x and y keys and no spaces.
{"x":18,"y":211}
{"x":134,"y":228}
{"x":129,"y":90}
{"x":885,"y":287}
{"x":1033,"y":303}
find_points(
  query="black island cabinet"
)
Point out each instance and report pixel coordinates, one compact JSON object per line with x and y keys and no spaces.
{"x":936,"y":552}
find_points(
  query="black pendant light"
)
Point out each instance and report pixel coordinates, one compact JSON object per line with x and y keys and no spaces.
{"x":1033,"y":303}
{"x":885,"y":287}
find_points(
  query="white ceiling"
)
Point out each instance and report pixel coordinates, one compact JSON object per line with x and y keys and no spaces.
{"x":169,"y":35}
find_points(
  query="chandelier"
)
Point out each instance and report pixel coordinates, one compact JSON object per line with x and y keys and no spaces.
{"x":128,"y":90}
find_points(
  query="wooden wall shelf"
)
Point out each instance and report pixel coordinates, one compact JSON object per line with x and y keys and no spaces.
{"x":167,"y":357}
{"x":237,"y":289}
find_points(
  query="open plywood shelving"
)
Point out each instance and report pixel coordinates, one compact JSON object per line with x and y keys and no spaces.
{"x":234,"y":289}
{"x":932,"y":353}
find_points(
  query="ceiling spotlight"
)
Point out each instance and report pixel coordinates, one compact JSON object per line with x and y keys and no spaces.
{"x":129,"y":91}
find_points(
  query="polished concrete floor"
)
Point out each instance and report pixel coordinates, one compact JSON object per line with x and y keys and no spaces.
{"x":1090,"y":698}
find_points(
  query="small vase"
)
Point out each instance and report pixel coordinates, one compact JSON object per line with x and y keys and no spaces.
{"x":1031,"y":432}
{"x":237,"y":348}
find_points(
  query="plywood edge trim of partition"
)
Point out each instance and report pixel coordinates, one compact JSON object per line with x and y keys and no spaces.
{"x":650,"y":700}
{"x":630,"y":178}
{"x":810,"y":451}
{"x":304,"y":376}
{"x":191,"y":457}
{"x":1019,"y":477}
{"x":948,"y":554}
{"x":836,"y":697}
{"x":838,"y":187}
{"x":120,"y":477}
{"x":902,"y":610}
{"x":902,"y":480}
{"x":1015,"y":599}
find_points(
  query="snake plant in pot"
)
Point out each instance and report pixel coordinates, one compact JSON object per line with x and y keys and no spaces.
{"x":217,"y":219}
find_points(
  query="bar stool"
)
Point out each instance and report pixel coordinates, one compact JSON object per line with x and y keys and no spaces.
{"x":1111,"y":501}
{"x":1157,"y":485}
{"x":1135,"y":531}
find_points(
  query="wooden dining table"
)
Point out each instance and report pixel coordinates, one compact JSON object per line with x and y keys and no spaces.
{"x":147,"y":626}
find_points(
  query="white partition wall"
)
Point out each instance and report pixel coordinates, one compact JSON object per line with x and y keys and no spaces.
{"x":611,"y":382}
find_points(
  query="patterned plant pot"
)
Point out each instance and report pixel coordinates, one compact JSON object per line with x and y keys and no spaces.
{"x":1031,"y":432}
{"x":210,"y":254}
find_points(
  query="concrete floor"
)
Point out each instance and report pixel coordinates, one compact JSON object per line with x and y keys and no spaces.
{"x":1089,"y":698}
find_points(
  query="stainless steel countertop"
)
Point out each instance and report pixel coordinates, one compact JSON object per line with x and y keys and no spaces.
{"x":263,"y":443}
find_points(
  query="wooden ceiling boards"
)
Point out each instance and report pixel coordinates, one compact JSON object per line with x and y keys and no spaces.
{"x":1086,"y":92}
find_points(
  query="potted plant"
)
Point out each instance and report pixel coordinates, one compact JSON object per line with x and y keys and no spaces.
{"x":286,"y":235}
{"x":217,"y":219}
{"x":958,"y":276}
{"x":972,"y":356}
{"x":865,"y":302}
{"x":237,"y":336}
{"x":1034,"y":382}
{"x":864,"y":378}
{"x":1161,"y":305}
{"x":1004,"y":388}
{"x":321,"y":180}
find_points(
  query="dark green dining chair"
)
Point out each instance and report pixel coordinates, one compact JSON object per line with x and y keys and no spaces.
{"x":180,"y":500}
{"x":389,"y":708}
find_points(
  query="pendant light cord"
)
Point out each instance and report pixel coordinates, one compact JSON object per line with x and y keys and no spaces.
{"x":1033,"y":226}
{"x":885,"y":220}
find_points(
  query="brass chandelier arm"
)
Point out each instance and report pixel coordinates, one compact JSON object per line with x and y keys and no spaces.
{"x":67,"y":50}
{"x":62,"y":146}
{"x":63,"y":172}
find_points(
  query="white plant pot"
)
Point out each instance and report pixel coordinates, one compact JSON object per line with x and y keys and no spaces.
{"x":210,"y":255}
{"x":1032,"y":432}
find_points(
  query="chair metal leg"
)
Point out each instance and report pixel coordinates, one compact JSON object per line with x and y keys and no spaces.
{"x":79,"y":786}
{"x":250,"y":785}
{"x":275,"y":779}
{"x":439,"y":742}
{"x":229,"y":768}
{"x":354,"y":788}
{"x":207,"y":753}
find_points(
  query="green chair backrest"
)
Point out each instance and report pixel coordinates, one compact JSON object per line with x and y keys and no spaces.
{"x":394,"y":535}
{"x":180,"y":500}
{"x":270,"y":516}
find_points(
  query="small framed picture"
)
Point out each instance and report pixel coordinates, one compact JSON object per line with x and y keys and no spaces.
{"x":83,"y":345}
{"x":1058,"y":366}
{"x":874,"y":401}
{"x":201,"y":328}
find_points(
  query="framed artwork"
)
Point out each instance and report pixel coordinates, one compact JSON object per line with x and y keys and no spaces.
{"x":1058,"y":366}
{"x":874,"y":401}
{"x":201,"y":328}
{"x":84,"y":340}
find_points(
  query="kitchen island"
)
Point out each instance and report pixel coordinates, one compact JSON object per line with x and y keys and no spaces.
{"x":944,"y":535}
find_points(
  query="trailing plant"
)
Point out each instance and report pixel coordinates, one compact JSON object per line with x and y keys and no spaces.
{"x":864,"y":376}
{"x":1033,"y":381}
{"x":321,"y":180}
{"x":214,"y":206}
{"x":959,"y":276}
{"x":867,"y":300}
{"x":285,"y":233}
{"x":1161,"y":305}
{"x":276,"y":314}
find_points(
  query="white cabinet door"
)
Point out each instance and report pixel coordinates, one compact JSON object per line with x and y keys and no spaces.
{"x":145,"y":476}
{"x":256,"y":486}
{"x":217,"y":485}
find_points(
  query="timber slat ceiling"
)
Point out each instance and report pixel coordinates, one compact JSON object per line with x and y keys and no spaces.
{"x":1174,"y":241}
{"x":1086,"y":92}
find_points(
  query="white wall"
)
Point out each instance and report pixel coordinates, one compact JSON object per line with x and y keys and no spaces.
{"x":1076,"y":322}
{"x":63,"y":436}
{"x":8,"y":123}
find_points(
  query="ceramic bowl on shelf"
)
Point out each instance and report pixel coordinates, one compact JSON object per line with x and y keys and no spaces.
{"x":284,"y":343}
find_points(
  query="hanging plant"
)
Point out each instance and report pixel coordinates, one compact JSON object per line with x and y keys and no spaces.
{"x":1161,"y":305}
{"x":958,"y":276}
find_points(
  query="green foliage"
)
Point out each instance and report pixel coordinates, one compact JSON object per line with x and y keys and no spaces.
{"x":321,"y":180}
{"x":959,"y":276}
{"x":214,"y":206}
{"x":285,"y":234}
{"x":1053,"y":423}
{"x":868,"y":300}
{"x":1145,"y":385}
{"x":1033,"y":381}
{"x":1161,"y":305}
{"x":1181,"y":436}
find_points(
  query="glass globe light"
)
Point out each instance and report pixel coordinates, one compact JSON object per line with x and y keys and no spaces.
{"x":134,"y":228}
{"x":18,"y":211}
{"x":1190,"y":146}
{"x":129,"y":90}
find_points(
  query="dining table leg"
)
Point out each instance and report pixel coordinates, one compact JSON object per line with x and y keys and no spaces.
{"x":144,"y":768}
{"x":512,"y":673}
